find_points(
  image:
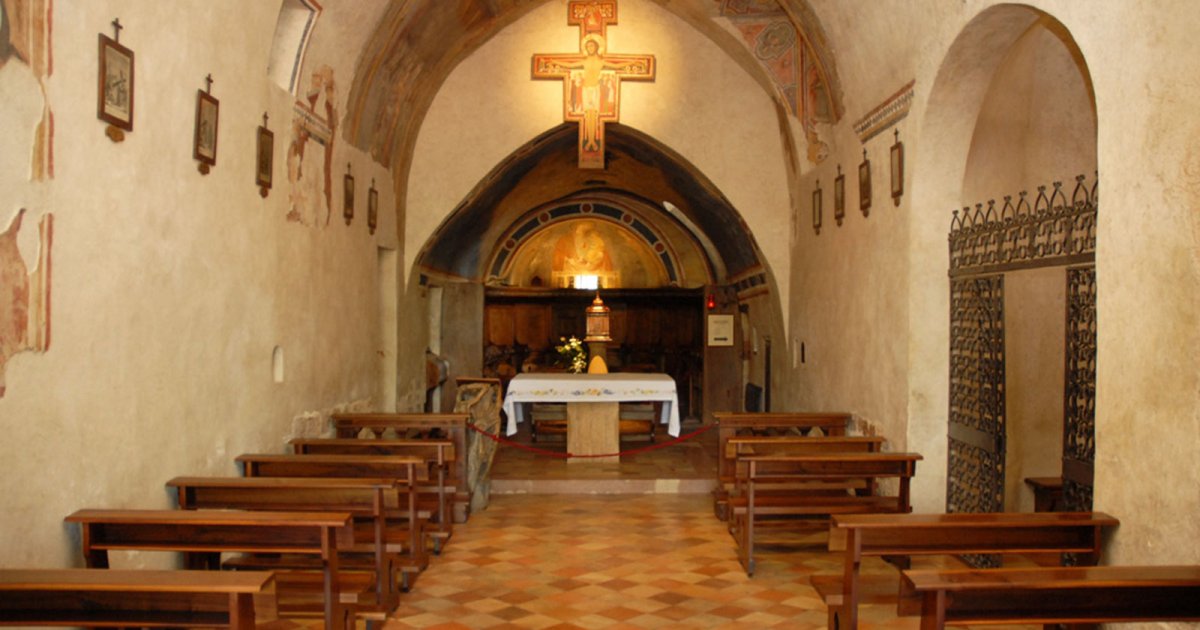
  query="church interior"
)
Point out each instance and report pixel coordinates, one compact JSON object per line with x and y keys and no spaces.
{"x":890,"y":210}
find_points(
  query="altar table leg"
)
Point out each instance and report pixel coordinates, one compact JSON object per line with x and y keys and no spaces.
{"x":593,"y":429}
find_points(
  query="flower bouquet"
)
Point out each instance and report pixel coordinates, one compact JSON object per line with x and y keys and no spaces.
{"x":572,"y":353}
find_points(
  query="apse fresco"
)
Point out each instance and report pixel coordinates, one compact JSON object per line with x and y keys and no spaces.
{"x":553,"y":257}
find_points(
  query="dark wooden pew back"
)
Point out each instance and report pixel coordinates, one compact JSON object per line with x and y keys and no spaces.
{"x":1047,"y":595}
{"x":124,"y":598}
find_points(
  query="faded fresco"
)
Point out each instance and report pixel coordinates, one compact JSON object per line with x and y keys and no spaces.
{"x":310,"y":154}
{"x":25,"y":298}
{"x":770,"y":34}
{"x":25,"y":65}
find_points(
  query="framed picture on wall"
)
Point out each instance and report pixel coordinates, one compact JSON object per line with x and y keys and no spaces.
{"x":264,"y":163}
{"x":897,"y":169}
{"x":816,"y":208}
{"x":864,"y":185}
{"x":839,"y":197}
{"x":348,"y":195}
{"x":372,"y":208}
{"x":115,"y":99}
{"x":204,"y":144}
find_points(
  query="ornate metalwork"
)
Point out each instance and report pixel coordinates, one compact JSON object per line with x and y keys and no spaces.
{"x":1079,"y":423}
{"x":1052,"y":231}
{"x":975,"y":481}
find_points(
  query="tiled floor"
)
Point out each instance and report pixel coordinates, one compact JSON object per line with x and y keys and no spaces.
{"x":632,"y":545}
{"x":615,"y":554}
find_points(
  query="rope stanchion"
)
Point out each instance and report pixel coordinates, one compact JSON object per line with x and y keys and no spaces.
{"x":555,"y":454}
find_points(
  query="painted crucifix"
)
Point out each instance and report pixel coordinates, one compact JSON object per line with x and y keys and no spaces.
{"x":592,"y":77}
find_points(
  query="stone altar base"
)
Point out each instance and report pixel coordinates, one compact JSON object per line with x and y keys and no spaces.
{"x":593,"y":429}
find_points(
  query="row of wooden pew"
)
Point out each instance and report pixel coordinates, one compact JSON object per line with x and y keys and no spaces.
{"x":337,"y":528}
{"x":800,"y":469}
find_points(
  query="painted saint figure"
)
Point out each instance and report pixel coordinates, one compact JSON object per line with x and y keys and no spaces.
{"x":591,"y":83}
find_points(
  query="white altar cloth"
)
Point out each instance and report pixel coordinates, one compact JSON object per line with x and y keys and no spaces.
{"x":568,"y":388}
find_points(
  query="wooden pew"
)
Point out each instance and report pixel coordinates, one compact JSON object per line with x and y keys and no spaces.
{"x":440,"y":454}
{"x":810,"y":489}
{"x":897,"y":537}
{"x":412,"y":472}
{"x":1049,"y":595}
{"x":366,"y":499}
{"x":451,"y":426}
{"x":731,"y":423}
{"x":203,"y":535}
{"x":746,"y":445}
{"x":123,"y":598}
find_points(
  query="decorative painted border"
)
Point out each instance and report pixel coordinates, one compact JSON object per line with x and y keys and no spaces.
{"x":888,"y":113}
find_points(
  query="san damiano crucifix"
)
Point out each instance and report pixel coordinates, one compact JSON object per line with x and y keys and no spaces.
{"x":592,"y":77}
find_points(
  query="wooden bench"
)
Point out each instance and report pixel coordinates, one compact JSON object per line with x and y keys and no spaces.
{"x":451,"y":426}
{"x":203,"y":535}
{"x":429,"y":502}
{"x":440,"y":455}
{"x":897,"y":537}
{"x":731,"y":423}
{"x":123,"y":598}
{"x":1049,"y":595}
{"x":1047,"y":493}
{"x":746,"y":445}
{"x":808,"y":490}
{"x":377,"y":550}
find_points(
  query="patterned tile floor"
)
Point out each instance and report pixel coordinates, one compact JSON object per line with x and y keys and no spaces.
{"x":619,"y":562}
{"x":633,"y":545}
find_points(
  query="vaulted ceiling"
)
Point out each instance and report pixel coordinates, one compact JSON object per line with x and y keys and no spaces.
{"x":414,"y":45}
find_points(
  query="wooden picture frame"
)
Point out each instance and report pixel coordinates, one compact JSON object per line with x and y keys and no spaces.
{"x":204,"y":141}
{"x":897,"y":169}
{"x":864,"y":185}
{"x":264,"y":162}
{"x":839,"y":197}
{"x":816,"y":208}
{"x":372,"y":208}
{"x":115,"y":95}
{"x":348,"y":196}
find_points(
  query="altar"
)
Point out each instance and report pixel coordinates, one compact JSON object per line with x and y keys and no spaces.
{"x":592,"y":404}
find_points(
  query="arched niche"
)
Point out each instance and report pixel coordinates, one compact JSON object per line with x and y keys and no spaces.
{"x":1012,"y":109}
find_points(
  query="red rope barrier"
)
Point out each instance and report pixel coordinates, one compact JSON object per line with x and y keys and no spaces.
{"x":635,"y":451}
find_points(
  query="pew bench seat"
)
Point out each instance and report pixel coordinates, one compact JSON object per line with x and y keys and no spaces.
{"x":121,"y":598}
{"x":1050,"y":595}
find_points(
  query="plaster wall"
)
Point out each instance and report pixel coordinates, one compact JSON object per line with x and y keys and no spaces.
{"x":703,"y":105}
{"x":1034,"y":342}
{"x":171,"y":290}
{"x":1148,"y":397}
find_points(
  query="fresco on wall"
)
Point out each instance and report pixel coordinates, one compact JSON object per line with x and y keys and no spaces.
{"x":556,"y":254}
{"x":310,"y":154}
{"x":772,"y":36}
{"x":25,"y":65}
{"x":25,"y":300}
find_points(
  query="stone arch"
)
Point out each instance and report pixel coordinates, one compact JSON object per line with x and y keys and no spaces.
{"x":1005,"y":57}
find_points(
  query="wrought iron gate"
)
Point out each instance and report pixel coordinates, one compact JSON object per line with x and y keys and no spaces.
{"x":984,"y":244}
{"x":975,"y":482}
{"x":1079,"y":424}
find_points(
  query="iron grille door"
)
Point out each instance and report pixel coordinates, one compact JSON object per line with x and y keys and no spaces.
{"x":975,"y":480}
{"x":1079,"y":426}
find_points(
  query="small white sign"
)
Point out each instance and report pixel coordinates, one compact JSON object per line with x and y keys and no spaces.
{"x":720,"y":330}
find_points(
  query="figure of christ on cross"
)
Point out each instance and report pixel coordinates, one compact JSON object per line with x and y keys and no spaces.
{"x":592,"y":84}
